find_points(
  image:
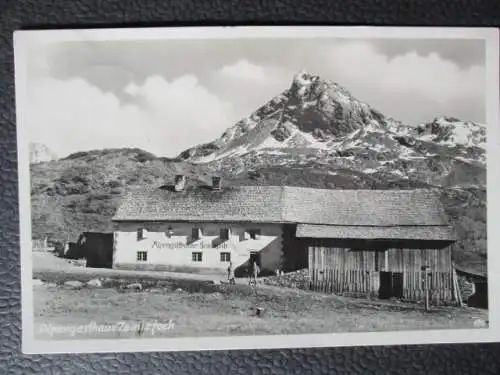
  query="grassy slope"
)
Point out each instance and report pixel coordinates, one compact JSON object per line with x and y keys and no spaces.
{"x":82,"y":192}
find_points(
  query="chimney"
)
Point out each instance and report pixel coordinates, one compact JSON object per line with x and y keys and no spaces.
{"x":180,"y":182}
{"x":216,"y":183}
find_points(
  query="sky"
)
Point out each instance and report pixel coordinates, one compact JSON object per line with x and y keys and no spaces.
{"x":165,"y":96}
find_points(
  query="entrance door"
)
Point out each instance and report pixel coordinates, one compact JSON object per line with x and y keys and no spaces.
{"x":391,"y":285}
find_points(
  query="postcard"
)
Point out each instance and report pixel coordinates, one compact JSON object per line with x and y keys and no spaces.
{"x":257,"y":187}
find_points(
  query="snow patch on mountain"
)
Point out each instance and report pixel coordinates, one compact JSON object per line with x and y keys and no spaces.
{"x":448,"y":131}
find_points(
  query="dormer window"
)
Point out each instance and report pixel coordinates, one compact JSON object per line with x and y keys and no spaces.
{"x":224,"y":234}
{"x":195,"y":234}
{"x":170,"y":232}
{"x":141,"y":234}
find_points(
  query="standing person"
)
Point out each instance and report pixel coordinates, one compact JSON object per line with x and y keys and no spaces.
{"x":256,"y":271}
{"x":230,"y":273}
{"x":250,"y":272}
{"x":253,"y":273}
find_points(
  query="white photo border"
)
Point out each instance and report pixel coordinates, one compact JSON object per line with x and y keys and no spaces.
{"x":23,"y":40}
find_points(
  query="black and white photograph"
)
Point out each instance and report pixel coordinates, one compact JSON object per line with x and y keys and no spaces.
{"x":257,"y":187}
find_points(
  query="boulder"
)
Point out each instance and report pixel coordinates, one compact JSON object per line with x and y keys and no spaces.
{"x":73,"y":284}
{"x":480,"y":323}
{"x":94,"y":283}
{"x":134,"y":286}
{"x":259,"y":311}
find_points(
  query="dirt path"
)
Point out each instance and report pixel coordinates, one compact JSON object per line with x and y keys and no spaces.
{"x":48,"y":267}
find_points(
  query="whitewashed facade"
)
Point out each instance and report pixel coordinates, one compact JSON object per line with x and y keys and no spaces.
{"x":203,"y":247}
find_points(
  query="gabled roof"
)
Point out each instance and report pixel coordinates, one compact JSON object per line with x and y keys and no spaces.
{"x":285,"y":204}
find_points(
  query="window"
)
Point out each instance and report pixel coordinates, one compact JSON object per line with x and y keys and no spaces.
{"x":225,"y":257}
{"x":224,"y":234}
{"x":142,"y":256}
{"x":196,"y":256}
{"x":141,"y":234}
{"x":254,"y":234}
{"x":195,"y":234}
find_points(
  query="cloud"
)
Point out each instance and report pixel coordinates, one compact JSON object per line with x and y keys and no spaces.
{"x":249,"y":85}
{"x":244,"y":70}
{"x":409,"y":86}
{"x":439,"y":79}
{"x":159,"y":116}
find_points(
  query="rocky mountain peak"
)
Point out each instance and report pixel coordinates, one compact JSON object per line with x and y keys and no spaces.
{"x":311,"y":113}
{"x":302,"y":81}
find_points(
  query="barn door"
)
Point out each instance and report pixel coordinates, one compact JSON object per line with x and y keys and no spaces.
{"x":391,"y":285}
{"x":385,"y":290}
{"x":397,"y":284}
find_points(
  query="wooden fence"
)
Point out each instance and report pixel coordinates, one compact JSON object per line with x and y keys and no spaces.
{"x":41,"y":245}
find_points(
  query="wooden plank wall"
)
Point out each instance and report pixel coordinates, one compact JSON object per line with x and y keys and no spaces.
{"x":357,"y":273}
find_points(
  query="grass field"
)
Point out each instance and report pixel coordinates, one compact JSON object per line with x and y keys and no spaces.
{"x":203,"y":309}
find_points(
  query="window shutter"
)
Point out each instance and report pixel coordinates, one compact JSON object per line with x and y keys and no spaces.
{"x":141,"y":234}
{"x":224,"y":234}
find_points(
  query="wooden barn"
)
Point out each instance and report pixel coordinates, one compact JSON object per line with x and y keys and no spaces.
{"x":385,"y":244}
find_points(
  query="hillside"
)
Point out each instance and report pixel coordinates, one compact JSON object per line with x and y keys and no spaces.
{"x":82,"y":191}
{"x":315,"y":134}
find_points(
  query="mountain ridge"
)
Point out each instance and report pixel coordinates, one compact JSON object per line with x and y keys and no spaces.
{"x":323,"y":115}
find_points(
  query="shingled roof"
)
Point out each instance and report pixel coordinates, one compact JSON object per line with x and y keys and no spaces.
{"x":407,"y":232}
{"x":200,"y":203}
{"x":285,"y":204}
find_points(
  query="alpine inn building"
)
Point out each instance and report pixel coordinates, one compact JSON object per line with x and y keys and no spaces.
{"x":354,"y":242}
